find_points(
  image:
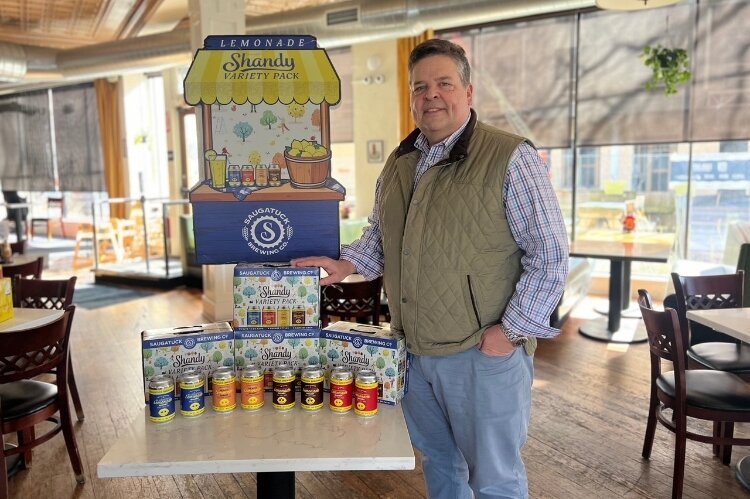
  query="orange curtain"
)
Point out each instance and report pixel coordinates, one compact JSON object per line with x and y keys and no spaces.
{"x":404,"y":47}
{"x":110,"y":124}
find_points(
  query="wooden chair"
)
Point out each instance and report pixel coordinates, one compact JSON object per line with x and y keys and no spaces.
{"x":27,"y":402}
{"x":19,"y":247}
{"x":354,"y":301}
{"x":29,"y":270}
{"x":716,"y":396}
{"x":55,"y":211}
{"x":722,"y":352}
{"x":51,"y":295}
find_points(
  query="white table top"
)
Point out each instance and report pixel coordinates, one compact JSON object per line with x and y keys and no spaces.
{"x":732,"y":321}
{"x":262,"y":441}
{"x":26,"y":318}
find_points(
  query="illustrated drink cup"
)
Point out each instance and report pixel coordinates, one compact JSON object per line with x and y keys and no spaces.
{"x":218,"y":171}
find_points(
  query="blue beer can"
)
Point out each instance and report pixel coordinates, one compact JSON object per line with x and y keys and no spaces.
{"x":192,"y":384}
{"x":161,"y":399}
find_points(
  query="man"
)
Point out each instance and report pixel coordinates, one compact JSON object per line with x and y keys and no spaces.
{"x":469,"y":237}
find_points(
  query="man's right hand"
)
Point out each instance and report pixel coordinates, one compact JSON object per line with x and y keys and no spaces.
{"x":337,"y":270}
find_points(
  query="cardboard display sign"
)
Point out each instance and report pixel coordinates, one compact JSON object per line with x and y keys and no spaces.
{"x":268,"y":194}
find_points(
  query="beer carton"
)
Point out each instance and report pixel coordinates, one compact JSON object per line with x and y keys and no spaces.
{"x":6,"y":298}
{"x":360,"y":346}
{"x":271,"y":347}
{"x":272,"y":296}
{"x":174,"y":350}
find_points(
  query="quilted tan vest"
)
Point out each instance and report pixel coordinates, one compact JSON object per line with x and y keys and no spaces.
{"x":451,"y":263}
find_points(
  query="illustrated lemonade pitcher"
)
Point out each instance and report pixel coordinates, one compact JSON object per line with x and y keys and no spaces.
{"x":218,"y":165}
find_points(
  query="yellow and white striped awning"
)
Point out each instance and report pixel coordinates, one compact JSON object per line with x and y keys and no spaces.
{"x":257,"y":76}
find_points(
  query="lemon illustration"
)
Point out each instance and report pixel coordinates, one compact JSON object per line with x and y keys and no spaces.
{"x":194,"y":406}
{"x":252,"y":400}
{"x":210,"y":155}
{"x":310,"y":400}
{"x":338,"y":402}
{"x":224,"y":402}
{"x":281,"y":400}
{"x":163,"y":412}
{"x":361,"y":406}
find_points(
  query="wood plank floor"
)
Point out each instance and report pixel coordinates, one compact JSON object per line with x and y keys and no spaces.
{"x":585,"y":440}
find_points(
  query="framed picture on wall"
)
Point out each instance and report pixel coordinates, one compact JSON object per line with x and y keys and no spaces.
{"x":374,"y":151}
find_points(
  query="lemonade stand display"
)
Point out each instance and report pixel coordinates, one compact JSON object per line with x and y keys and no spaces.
{"x":267,"y":193}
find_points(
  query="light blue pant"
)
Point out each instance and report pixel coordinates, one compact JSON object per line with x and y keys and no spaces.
{"x":468,"y":414}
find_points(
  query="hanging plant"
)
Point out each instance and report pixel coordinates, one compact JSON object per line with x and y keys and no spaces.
{"x":670,"y":67}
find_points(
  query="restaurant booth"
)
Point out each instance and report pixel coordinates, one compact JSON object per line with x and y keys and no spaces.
{"x":267,"y":193}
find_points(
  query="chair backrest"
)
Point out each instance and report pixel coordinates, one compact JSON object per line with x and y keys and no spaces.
{"x":351,"y":301}
{"x":56,"y":207}
{"x":32,"y":269}
{"x":743,"y":264}
{"x":19,"y":247}
{"x":29,"y":352}
{"x":666,"y":339}
{"x":707,"y":292}
{"x":43,"y":293}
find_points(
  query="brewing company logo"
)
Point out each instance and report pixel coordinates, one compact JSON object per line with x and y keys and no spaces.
{"x":189,"y":343}
{"x":357,"y":342}
{"x":276,"y":275}
{"x":267,"y":231}
{"x":277,"y":337}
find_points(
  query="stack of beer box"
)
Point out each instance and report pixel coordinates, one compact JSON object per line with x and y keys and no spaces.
{"x":276,"y":316}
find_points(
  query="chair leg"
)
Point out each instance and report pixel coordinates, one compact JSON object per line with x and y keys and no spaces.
{"x":4,"y":472}
{"x":679,"y":458}
{"x":717,"y":434}
{"x":74,"y":391}
{"x":725,"y":451}
{"x":648,"y":440}
{"x":70,"y":441}
{"x":25,"y":436}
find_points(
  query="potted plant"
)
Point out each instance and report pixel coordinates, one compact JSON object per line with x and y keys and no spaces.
{"x":670,"y":67}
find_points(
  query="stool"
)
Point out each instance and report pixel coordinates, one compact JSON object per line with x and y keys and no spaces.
{"x":109,"y":248}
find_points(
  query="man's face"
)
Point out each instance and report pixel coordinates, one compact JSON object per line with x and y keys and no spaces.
{"x":440,"y":103}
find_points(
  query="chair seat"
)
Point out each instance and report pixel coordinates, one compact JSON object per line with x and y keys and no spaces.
{"x":714,"y":390}
{"x":24,"y":397}
{"x":722,"y":356}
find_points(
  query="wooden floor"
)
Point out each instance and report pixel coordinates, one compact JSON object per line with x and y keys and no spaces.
{"x":585,"y":440}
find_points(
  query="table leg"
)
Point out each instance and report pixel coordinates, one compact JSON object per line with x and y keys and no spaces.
{"x":275,"y":485}
{"x":614,"y":330}
{"x":743,"y":471}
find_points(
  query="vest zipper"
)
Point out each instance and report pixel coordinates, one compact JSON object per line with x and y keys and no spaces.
{"x":473,"y":301}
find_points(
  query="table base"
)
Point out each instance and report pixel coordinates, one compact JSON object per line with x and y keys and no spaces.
{"x":743,"y":472}
{"x":631,"y":331}
{"x":14,"y":463}
{"x":276,"y":485}
{"x":632,"y":312}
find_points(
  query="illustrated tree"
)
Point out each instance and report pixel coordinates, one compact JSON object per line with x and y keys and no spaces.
{"x":268,"y":119}
{"x":239,"y":361}
{"x":243,"y":130}
{"x":254,"y":158}
{"x":303,"y":353}
{"x":296,"y":111}
{"x":149,"y":371}
{"x":314,"y":359}
{"x":251,"y":353}
{"x":228,"y":362}
{"x":217,"y":356}
{"x":148,"y":353}
{"x":161,"y":362}
{"x":372,"y":349}
{"x":315,"y":118}
{"x":293,"y":342}
{"x":380,"y":362}
{"x":333,"y":354}
{"x":322,"y":343}
{"x":207,"y":346}
{"x":390,"y":372}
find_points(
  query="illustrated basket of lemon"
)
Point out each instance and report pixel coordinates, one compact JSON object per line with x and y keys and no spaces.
{"x":308,"y":164}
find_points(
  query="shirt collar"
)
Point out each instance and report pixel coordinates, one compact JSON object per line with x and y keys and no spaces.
{"x":447,"y":143}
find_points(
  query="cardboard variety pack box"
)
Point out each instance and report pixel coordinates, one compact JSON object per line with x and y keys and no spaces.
{"x":6,"y":299}
{"x":271,"y":347}
{"x":274,"y":296}
{"x":174,"y":350}
{"x":361,"y":346}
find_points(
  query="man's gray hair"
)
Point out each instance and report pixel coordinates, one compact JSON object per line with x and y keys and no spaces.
{"x":437,"y":46}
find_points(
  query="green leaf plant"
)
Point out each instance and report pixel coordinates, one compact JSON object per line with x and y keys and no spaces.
{"x":670,"y":68}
